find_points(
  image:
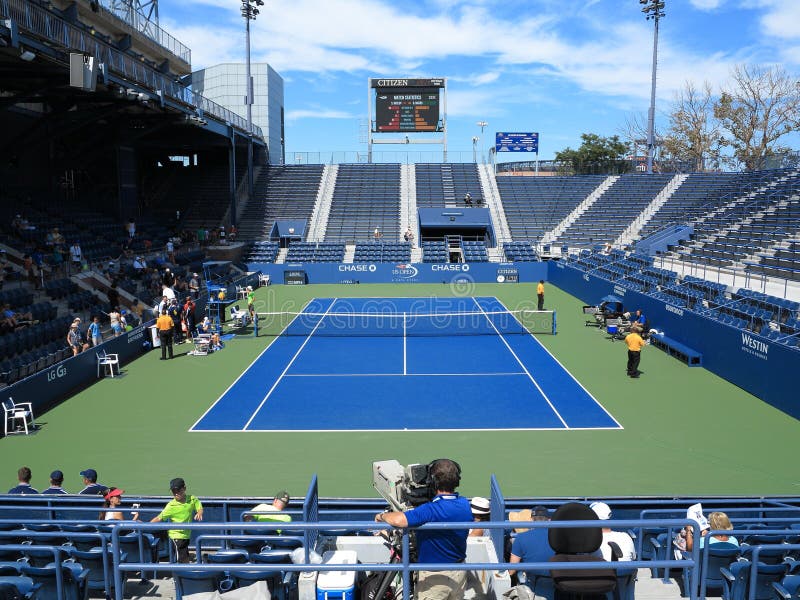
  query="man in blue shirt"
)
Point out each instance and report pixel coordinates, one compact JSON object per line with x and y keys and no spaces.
{"x":56,"y":480}
{"x":24,"y":485}
{"x":90,"y":481}
{"x":532,"y":546}
{"x":442,"y":545}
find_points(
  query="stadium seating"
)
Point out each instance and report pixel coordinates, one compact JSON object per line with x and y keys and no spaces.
{"x":315,"y":252}
{"x":446,"y":184}
{"x":382,"y":252}
{"x":366,"y":197}
{"x":434,"y":251}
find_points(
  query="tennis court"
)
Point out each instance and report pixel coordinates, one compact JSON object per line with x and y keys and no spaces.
{"x":423,"y":364}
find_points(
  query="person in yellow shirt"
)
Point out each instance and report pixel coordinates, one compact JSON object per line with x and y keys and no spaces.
{"x":540,"y":294}
{"x":166,"y":329}
{"x":635,"y":343}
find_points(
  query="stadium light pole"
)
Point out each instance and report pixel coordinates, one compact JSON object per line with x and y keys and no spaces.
{"x":652,"y":9}
{"x":249,"y":12}
{"x":482,"y":124}
{"x":475,"y":148}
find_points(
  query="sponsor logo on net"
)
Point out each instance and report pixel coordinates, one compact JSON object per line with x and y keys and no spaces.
{"x":404,"y":271}
{"x":673,"y":309}
{"x":56,"y":373}
{"x":459,"y":267}
{"x":357,"y":268}
{"x":754,"y":346}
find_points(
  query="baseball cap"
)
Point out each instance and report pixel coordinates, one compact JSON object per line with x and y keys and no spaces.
{"x":113,"y":492}
{"x":479,"y":506}
{"x":177,"y":484}
{"x":601,"y":509}
{"x":539,"y":511}
{"x":57,"y":476}
{"x":90,"y":474}
{"x":283,"y":496}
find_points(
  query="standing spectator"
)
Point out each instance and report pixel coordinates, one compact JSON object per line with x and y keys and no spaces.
{"x":439,"y":545}
{"x":194,"y":286}
{"x":181,"y":509}
{"x":189,"y":317}
{"x":170,"y":247}
{"x":116,"y":321}
{"x":409,"y":235}
{"x":131,"y":229}
{"x":91,"y":487}
{"x":74,"y":340}
{"x":635,"y":343}
{"x":95,"y":333}
{"x":540,"y":294}
{"x":468,"y":199}
{"x":167,"y":279}
{"x":165,"y":328}
{"x":621,"y":539}
{"x":75,"y":256}
{"x":24,"y":484}
{"x":174,"y":312}
{"x":377,"y":234}
{"x":56,"y":481}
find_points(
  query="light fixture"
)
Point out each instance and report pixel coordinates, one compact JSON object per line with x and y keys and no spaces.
{"x":27,"y":55}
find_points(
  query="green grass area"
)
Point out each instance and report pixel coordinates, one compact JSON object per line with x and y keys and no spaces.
{"x":686,"y":431}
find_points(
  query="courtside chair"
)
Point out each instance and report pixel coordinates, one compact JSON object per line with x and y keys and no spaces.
{"x":17,"y":417}
{"x":108,"y":362}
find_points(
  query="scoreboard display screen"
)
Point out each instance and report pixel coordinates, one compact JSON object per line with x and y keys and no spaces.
{"x":407,"y":105}
{"x":295,"y":277}
{"x":407,"y":110}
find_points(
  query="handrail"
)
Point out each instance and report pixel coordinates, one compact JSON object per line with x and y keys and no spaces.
{"x":69,"y":37}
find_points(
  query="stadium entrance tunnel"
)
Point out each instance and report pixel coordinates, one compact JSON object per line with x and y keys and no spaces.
{"x":469,"y":223}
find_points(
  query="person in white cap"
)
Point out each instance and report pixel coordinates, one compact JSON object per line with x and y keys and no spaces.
{"x":480,"y":513}
{"x":621,"y":539}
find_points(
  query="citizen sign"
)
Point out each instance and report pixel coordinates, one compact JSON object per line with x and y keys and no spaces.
{"x":462,"y":268}
{"x":56,"y":373}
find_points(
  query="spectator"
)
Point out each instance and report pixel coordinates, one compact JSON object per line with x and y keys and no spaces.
{"x":232,"y":233}
{"x":205,"y":325}
{"x":174,"y":312}
{"x":92,"y":488}
{"x":139,"y":265}
{"x":222,"y":240}
{"x":24,"y":483}
{"x":165,"y":328}
{"x":56,"y":481}
{"x":167,"y":279}
{"x":194,"y":286}
{"x":621,"y":539}
{"x":530,"y":546}
{"x":216,"y":342}
{"x":716,"y":521}
{"x":113,"y":498}
{"x":480,"y":513}
{"x":409,"y":235}
{"x":95,"y":333}
{"x":75,"y":256}
{"x":275,"y":511}
{"x":251,"y":303}
{"x":438,"y":546}
{"x":170,"y":248}
{"x":181,"y":509}
{"x":74,"y":340}
{"x":116,"y":321}
{"x":130,"y":227}
{"x":377,"y":234}
{"x":189,"y":317}
{"x":468,"y":199}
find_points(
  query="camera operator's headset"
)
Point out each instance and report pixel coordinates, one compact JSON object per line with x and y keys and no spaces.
{"x":433,"y":483}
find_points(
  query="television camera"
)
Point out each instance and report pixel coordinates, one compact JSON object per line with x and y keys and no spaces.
{"x":402,"y":487}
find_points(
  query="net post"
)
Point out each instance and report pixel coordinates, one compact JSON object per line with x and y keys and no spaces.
{"x":554,"y":322}
{"x":255,"y":324}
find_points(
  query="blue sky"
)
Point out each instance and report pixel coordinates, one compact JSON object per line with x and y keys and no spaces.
{"x":559,"y":67}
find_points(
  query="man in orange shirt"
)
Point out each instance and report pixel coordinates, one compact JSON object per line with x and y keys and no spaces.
{"x":635,"y":343}
{"x":165,"y":326}
{"x":540,"y":294}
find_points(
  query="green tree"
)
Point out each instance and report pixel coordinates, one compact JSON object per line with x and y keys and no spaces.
{"x":597,"y":154}
{"x":761,"y":106}
{"x":693,"y":132}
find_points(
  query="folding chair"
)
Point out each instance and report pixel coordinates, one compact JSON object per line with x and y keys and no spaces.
{"x":108,"y":361}
{"x":17,"y":413}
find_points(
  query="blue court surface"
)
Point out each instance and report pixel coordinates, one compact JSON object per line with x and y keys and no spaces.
{"x":394,"y":364}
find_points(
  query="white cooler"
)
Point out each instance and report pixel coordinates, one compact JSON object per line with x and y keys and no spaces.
{"x":337,"y":585}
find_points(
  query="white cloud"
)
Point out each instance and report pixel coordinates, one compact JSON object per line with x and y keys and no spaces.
{"x":782,"y":19}
{"x":312,"y":113}
{"x":706,"y":4}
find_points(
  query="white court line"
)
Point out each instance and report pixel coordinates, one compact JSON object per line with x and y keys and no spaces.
{"x":381,"y":431}
{"x":260,"y":354}
{"x":405,"y":361}
{"x":567,"y":371}
{"x":524,"y":368}
{"x":405,"y":374}
{"x":278,"y":380}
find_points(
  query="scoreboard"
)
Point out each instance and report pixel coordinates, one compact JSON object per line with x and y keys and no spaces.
{"x":406,"y":105}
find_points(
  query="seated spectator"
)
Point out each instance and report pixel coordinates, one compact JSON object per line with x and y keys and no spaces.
{"x":216,"y":343}
{"x":480,"y":513}
{"x":205,"y":326}
{"x":92,"y":488}
{"x":533,"y":546}
{"x":56,"y":481}
{"x":24,"y":483}
{"x":139,"y":265}
{"x":716,"y":521}
{"x":12,"y":320}
{"x":275,"y":511}
{"x":112,"y":500}
{"x":621,"y":539}
{"x":468,"y":199}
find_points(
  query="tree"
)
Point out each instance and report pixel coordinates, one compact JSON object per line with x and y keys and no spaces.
{"x":762,"y":106}
{"x":596,"y":154}
{"x":693,"y":132}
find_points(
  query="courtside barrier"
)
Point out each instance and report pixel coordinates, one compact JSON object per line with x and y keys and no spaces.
{"x":760,"y":366}
{"x":47,"y":388}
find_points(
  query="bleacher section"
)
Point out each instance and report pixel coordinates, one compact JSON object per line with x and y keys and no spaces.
{"x":434,"y":251}
{"x":446,"y":184}
{"x":535,"y":205}
{"x":365,"y":197}
{"x":315,"y":252}
{"x":382,"y":252}
{"x":784,"y":261}
{"x":261,"y":252}
{"x":610,"y":215}
{"x":519,"y":252}
{"x":474,"y":251}
{"x":283,"y":192}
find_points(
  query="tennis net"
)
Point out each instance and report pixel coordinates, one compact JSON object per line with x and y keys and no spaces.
{"x":408,"y":324}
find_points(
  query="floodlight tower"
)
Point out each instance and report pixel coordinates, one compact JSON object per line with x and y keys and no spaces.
{"x":652,"y":9}
{"x":249,"y":12}
{"x":475,"y":148}
{"x":141,"y":14}
{"x":482,"y":124}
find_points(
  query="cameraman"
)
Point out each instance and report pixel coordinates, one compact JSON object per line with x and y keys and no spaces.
{"x":438,"y":546}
